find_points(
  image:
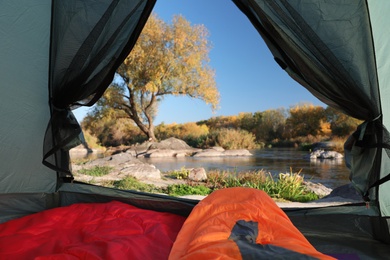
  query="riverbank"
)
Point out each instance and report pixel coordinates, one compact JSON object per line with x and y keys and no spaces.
{"x":122,"y":166}
{"x":146,"y":164}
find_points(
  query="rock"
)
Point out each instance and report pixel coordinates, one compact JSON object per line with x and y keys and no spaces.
{"x":113,"y":160}
{"x":172,"y":144}
{"x":81,"y":150}
{"x":212,"y":153}
{"x":317,"y":188}
{"x":197,"y":174}
{"x":171,"y":147}
{"x":239,"y":152}
{"x":321,"y":154}
{"x":157,"y":153}
{"x":181,"y":154}
{"x":132,"y":152}
{"x":346,"y":191}
{"x":217,"y":148}
{"x":208,"y":153}
{"x":122,"y":164}
{"x":141,"y":171}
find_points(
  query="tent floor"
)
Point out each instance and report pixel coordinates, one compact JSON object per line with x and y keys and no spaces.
{"x":342,"y":236}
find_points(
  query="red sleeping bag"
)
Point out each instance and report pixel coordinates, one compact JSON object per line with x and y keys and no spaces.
{"x":90,"y":231}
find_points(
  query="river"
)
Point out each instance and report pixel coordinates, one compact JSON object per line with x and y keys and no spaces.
{"x":329,"y":172}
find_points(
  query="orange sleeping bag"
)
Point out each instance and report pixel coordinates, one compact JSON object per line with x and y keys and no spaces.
{"x":241,"y":223}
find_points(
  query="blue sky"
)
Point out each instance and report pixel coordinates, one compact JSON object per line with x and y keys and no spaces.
{"x":248,"y":78}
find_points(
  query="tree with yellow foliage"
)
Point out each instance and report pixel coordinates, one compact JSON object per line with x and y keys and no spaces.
{"x":307,"y":119}
{"x":168,"y":59}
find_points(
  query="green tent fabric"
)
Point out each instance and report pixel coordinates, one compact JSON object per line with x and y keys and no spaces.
{"x":59,"y":55}
{"x":337,"y":50}
{"x":83,"y":60}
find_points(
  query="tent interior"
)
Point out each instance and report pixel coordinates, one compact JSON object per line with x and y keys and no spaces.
{"x":60,"y":55}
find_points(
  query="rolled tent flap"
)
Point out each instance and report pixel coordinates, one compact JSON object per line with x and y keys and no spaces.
{"x":89,"y":40}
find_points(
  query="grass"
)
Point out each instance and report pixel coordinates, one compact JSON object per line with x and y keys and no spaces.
{"x":185,"y":189}
{"x":284,"y":187}
{"x":180,"y":174}
{"x":131,"y":183}
{"x":96,"y":171}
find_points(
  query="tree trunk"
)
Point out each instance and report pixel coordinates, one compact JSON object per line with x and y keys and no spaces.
{"x":151,"y":135}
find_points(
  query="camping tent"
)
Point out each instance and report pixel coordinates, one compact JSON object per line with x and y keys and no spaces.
{"x":58,"y":55}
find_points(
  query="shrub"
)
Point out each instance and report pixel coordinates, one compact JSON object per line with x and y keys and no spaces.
{"x":91,"y":140}
{"x":196,"y":141}
{"x":232,"y":139}
{"x":187,"y":131}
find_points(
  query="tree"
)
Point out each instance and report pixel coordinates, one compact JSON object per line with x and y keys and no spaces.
{"x":341,"y":124}
{"x":306,"y":119}
{"x":168,"y":59}
{"x":271,"y":126}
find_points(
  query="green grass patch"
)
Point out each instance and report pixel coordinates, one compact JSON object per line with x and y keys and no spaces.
{"x":96,"y":171}
{"x":286,"y":186}
{"x":180,"y":174}
{"x":185,"y":189}
{"x":131,"y":183}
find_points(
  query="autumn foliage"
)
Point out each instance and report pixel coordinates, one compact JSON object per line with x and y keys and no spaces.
{"x":301,"y":124}
{"x":168,"y":59}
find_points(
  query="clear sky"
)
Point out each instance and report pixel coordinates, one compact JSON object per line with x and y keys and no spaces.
{"x":248,"y":78}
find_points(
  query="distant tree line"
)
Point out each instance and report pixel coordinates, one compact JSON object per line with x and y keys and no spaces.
{"x":298,"y":125}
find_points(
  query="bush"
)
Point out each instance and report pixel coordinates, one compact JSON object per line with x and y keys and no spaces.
{"x":187,"y":132}
{"x":232,"y":139}
{"x":196,"y":141}
{"x":91,"y":140}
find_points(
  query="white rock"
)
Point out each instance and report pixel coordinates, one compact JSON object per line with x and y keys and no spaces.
{"x":197,"y":174}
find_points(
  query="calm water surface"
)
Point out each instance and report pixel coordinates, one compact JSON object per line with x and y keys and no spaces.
{"x":331,"y":173}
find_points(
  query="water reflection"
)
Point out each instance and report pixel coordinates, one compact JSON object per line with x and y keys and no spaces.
{"x":330,"y":172}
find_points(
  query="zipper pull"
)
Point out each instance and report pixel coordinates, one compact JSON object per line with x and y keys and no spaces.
{"x":366,"y":198}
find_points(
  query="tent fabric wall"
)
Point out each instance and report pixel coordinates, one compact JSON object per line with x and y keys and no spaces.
{"x":339,"y":52}
{"x":83,"y":61}
{"x":380,"y":21}
{"x":24,"y":52}
{"x":328,"y":48}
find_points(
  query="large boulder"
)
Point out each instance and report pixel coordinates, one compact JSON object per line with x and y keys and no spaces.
{"x":223,"y":153}
{"x":122,"y":165}
{"x":172,"y":144}
{"x":171,"y":147}
{"x":208,"y":153}
{"x":317,"y":188}
{"x":322,"y":154}
{"x":197,"y":174}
